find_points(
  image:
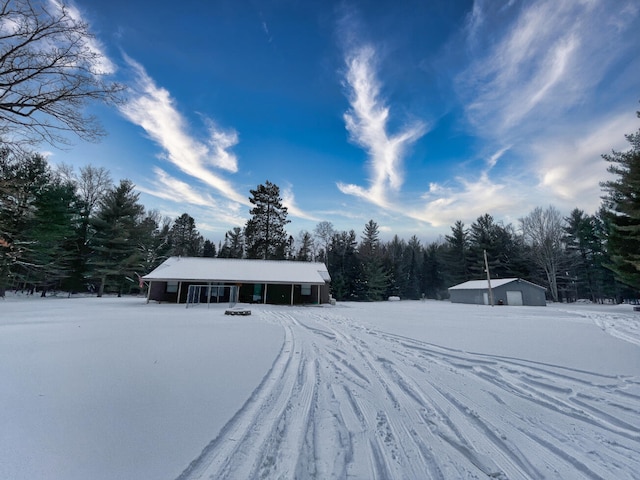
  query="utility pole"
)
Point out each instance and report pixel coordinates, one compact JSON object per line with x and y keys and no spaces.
{"x":486,"y":266}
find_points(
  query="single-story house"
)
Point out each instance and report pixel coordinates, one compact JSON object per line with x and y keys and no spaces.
{"x":255,"y":281}
{"x":506,"y":291}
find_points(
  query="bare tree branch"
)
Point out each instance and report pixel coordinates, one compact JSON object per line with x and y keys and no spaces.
{"x":49,"y":71}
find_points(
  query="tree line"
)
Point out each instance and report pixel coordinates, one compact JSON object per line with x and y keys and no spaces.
{"x":79,"y":231}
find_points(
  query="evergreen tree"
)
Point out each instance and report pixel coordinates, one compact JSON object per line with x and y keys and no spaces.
{"x":432,"y":271}
{"x":184,"y":238}
{"x":413,"y":269}
{"x":305,"y":252}
{"x":374,"y":279}
{"x":343,"y":265}
{"x":264,"y":232}
{"x":23,"y":178}
{"x":115,"y":244}
{"x":49,"y":254}
{"x":622,"y":203}
{"x":584,"y":250}
{"x":370,"y":245}
{"x":153,"y":244}
{"x":233,"y":246}
{"x":208,"y":249}
{"x":504,"y":252}
{"x":91,"y":185}
{"x":395,"y":265}
{"x":457,"y":254}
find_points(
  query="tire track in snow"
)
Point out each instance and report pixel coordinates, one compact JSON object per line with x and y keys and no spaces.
{"x":346,"y":401}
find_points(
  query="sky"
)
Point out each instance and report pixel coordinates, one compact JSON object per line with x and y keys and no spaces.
{"x":414,"y":114}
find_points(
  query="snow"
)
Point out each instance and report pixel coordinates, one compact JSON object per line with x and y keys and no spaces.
{"x":244,"y":270}
{"x":117,"y":388}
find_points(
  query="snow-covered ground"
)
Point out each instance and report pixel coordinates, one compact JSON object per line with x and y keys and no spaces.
{"x":115,"y":388}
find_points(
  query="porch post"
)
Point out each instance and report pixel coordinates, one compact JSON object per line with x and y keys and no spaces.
{"x":265,"y":294}
{"x":179,"y":292}
{"x":292,"y":293}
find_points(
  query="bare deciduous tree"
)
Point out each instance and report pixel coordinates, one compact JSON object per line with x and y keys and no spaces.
{"x":50,"y":68}
{"x":543,"y":232}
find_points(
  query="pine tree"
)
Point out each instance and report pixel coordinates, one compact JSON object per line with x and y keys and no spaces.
{"x":49,"y":254}
{"x":343,"y":265}
{"x":413,"y":268}
{"x":432,"y":271}
{"x":457,"y":254}
{"x":395,"y":264}
{"x":153,"y":244}
{"x":233,"y":246}
{"x":264,"y":232}
{"x":115,"y":244}
{"x":23,"y":178}
{"x":184,"y":238}
{"x":375,"y":279}
{"x":622,"y":203}
{"x":305,"y":252}
{"x":91,"y":185}
{"x":208,"y":249}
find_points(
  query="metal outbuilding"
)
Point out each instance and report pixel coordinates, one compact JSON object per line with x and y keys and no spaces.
{"x":506,"y":291}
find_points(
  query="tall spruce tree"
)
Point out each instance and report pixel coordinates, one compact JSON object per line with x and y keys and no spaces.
{"x":622,"y":203}
{"x":115,"y":243}
{"x":457,"y":254}
{"x":374,"y":280}
{"x":264,"y":232}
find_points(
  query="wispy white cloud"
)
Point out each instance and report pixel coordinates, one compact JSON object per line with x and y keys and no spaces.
{"x":367,"y":124}
{"x":170,"y":188}
{"x":570,"y":171}
{"x":533,"y":86}
{"x":152,"y":108}
{"x":289,"y":201}
{"x":104,"y":64}
{"x":532,"y":62}
{"x":466,"y":199}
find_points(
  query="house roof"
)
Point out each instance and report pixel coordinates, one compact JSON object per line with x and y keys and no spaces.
{"x":198,"y":269}
{"x":495,"y":282}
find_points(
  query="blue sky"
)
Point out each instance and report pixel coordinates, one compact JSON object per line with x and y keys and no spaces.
{"x":414,"y":114}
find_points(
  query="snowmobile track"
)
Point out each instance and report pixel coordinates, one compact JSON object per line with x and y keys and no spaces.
{"x":345,"y":401}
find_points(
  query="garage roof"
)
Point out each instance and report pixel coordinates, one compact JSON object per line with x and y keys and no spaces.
{"x":495,"y":282}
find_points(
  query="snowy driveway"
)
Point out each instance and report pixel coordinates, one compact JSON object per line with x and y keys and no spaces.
{"x":347,"y":400}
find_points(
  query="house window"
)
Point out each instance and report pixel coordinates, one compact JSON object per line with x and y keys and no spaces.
{"x":305,"y":289}
{"x":172,"y":287}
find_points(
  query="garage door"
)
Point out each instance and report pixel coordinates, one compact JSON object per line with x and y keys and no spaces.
{"x":514,"y":298}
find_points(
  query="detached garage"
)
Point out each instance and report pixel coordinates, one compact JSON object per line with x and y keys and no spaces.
{"x":506,"y":291}
{"x":255,"y":281}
